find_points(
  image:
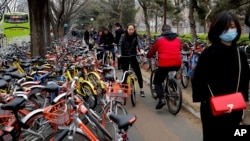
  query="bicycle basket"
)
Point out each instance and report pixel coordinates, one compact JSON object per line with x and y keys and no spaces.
{"x":5,"y":117}
{"x":59,"y":113}
{"x":119,"y":90}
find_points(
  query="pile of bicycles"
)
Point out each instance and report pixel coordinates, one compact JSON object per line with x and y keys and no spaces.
{"x":69,"y":94}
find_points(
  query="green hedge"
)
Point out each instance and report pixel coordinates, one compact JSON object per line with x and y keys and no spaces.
{"x":244,"y":40}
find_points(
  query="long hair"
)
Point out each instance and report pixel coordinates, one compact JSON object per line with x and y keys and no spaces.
{"x":221,"y":23}
{"x":126,"y":31}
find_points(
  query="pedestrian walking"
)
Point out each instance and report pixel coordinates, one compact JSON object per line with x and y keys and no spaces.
{"x":118,"y":33}
{"x":86,"y":36}
{"x":128,"y":45}
{"x":218,"y":68}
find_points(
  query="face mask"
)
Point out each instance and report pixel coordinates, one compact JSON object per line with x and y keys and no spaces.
{"x":229,"y":35}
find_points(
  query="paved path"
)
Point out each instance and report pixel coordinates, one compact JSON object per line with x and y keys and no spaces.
{"x":158,"y":125}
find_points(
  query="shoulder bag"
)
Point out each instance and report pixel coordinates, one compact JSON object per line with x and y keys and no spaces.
{"x":228,"y":103}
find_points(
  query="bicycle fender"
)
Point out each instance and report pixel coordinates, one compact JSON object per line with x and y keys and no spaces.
{"x":90,"y":85}
{"x":31,"y":114}
{"x":59,"y":97}
{"x":94,"y":73}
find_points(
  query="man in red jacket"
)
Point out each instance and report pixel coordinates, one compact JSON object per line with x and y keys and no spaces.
{"x":168,"y":47}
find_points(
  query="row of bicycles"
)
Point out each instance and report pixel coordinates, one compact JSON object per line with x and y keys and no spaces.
{"x":68,"y":95}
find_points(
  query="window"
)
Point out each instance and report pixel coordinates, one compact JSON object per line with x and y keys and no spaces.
{"x":16,"y":18}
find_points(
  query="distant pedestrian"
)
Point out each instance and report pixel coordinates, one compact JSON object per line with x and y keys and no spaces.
{"x":86,"y":36}
{"x":218,"y":68}
{"x":118,"y":33}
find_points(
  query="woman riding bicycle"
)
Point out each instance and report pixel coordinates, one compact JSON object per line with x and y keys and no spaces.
{"x":129,"y":45}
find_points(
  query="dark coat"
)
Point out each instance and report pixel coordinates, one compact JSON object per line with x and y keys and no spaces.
{"x":107,"y":39}
{"x":118,"y":34}
{"x":128,"y":45}
{"x":218,"y":66}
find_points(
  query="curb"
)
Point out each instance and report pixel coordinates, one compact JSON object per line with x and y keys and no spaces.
{"x":184,"y":105}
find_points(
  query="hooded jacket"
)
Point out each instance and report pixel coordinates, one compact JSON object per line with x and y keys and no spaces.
{"x":168,"y":46}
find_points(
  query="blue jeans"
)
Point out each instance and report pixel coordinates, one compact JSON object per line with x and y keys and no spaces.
{"x":105,"y":53}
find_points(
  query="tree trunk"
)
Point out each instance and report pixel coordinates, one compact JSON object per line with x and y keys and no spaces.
{"x":47,"y":19}
{"x":145,"y":12}
{"x":165,"y":13}
{"x":121,"y":11}
{"x":177,"y":26}
{"x":156,"y":20}
{"x":192,"y":5}
{"x":247,"y":16}
{"x":36,"y":12}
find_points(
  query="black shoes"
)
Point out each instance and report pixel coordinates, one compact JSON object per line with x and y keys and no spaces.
{"x":160,"y":104}
{"x":142,"y":94}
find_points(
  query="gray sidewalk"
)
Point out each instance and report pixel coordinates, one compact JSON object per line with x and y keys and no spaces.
{"x":188,"y":104}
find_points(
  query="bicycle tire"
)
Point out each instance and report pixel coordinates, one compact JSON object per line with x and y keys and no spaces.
{"x":173,"y":96}
{"x":133,"y":92}
{"x":90,"y":98}
{"x":152,"y":88}
{"x":36,"y":127}
{"x":100,"y":126}
{"x":184,"y":76}
{"x":53,"y":136}
{"x":109,"y":124}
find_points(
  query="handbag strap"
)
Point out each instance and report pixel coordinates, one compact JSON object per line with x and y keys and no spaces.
{"x":238,"y":75}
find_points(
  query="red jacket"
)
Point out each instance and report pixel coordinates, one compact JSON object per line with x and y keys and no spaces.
{"x":168,"y":47}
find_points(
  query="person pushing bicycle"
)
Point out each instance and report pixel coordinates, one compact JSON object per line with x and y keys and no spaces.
{"x":168,"y":46}
{"x":107,"y":41}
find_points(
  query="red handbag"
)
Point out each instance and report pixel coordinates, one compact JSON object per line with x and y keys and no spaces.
{"x":229,"y":102}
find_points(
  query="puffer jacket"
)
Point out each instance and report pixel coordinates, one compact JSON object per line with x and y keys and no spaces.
{"x":129,"y":45}
{"x":168,"y":46}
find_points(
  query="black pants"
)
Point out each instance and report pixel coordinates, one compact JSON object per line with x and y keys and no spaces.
{"x":86,"y":41}
{"x":160,"y":75}
{"x":119,"y":61}
{"x":100,"y":55}
{"x":135,"y":66}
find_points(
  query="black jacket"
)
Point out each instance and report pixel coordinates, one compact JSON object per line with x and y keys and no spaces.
{"x":118,"y":34}
{"x":218,"y":66}
{"x":107,"y":39}
{"x":128,"y":45}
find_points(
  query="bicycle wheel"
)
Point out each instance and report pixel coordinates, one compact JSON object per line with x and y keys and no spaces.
{"x":62,"y":135}
{"x":133,"y":92}
{"x":90,"y":98}
{"x":173,"y":96}
{"x":184,"y":75}
{"x":39,"y":127}
{"x":152,"y":86}
{"x":117,"y":108}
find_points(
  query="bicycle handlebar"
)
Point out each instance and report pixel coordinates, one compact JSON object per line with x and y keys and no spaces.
{"x":128,"y":56}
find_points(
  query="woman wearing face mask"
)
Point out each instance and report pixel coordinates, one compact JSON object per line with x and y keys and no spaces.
{"x":129,"y":44}
{"x":218,"y":67}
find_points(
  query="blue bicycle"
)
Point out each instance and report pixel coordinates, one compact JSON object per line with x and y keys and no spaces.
{"x":189,"y":62}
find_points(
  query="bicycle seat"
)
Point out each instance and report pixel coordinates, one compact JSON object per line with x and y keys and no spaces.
{"x":87,"y":65}
{"x":25,"y":65}
{"x":11,"y":69}
{"x":123,"y":121}
{"x":51,"y":87}
{"x":184,"y":52}
{"x":79,"y":66}
{"x":3,"y":84}
{"x":16,"y":75}
{"x":6,"y":78}
{"x":58,"y":70}
{"x":16,"y":104}
{"x":44,"y":67}
{"x":26,"y":61}
{"x":109,"y":77}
